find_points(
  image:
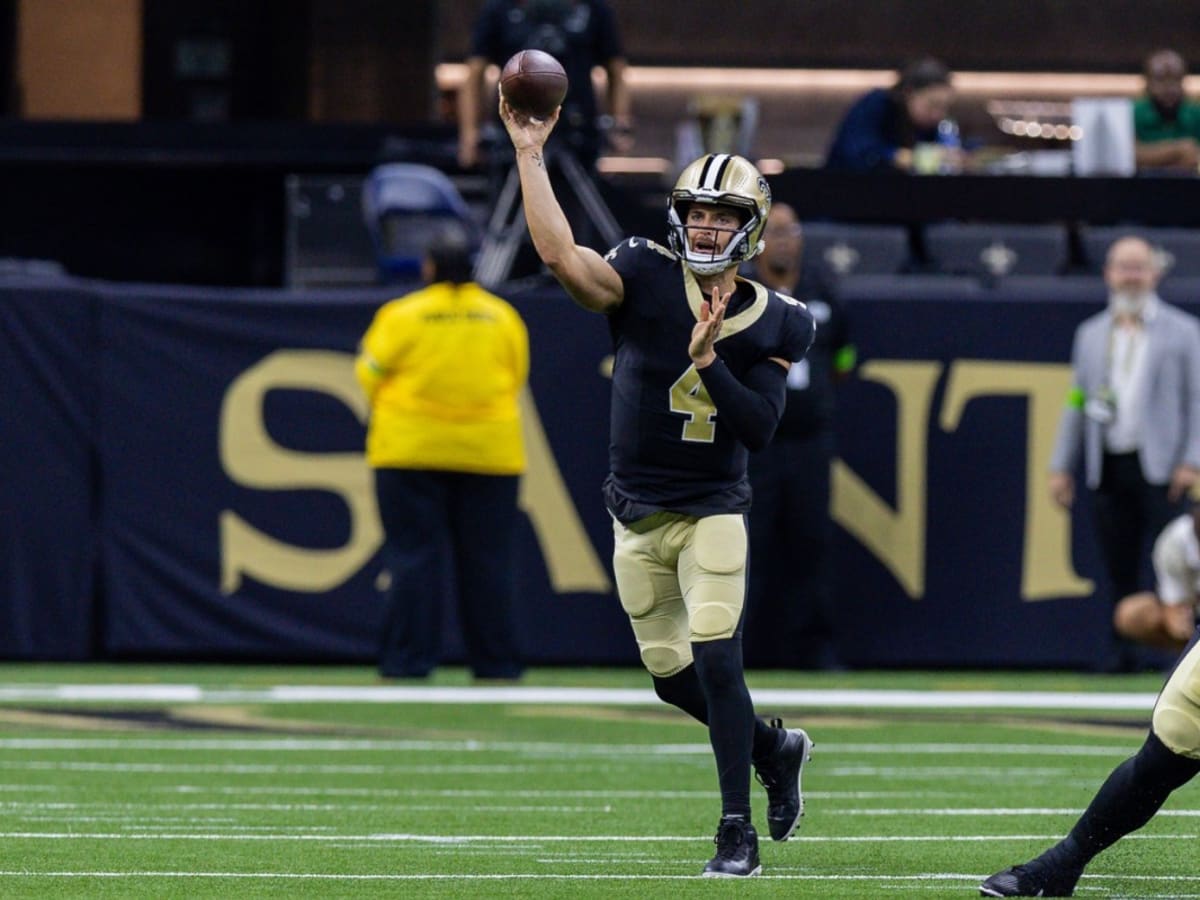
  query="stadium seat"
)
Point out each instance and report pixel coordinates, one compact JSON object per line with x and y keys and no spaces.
{"x":1180,"y":247}
{"x":992,"y":251}
{"x":841,"y":248}
{"x":402,"y":203}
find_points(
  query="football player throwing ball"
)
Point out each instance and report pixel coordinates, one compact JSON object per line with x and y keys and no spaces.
{"x":699,"y":380}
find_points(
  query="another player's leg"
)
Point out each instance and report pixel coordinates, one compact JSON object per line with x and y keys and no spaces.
{"x":1127,"y":800}
{"x":1132,"y":794}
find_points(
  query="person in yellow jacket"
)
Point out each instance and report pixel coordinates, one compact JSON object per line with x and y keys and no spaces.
{"x":443,"y":368}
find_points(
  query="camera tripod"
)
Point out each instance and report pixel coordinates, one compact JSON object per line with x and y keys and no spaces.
{"x":506,"y":229}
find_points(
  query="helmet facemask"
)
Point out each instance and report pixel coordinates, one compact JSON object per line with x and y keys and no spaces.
{"x":707,"y":260}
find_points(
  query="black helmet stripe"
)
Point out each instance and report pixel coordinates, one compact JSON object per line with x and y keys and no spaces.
{"x":714,"y":171}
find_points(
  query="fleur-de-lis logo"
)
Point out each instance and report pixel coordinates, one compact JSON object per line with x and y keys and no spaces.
{"x":998,"y":258}
{"x":841,"y":257}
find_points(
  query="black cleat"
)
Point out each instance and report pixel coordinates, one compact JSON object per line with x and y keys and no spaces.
{"x":1033,"y":879}
{"x":737,"y":851}
{"x":779,"y":773}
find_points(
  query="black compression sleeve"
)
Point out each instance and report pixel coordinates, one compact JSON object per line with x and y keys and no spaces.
{"x":751,"y":407}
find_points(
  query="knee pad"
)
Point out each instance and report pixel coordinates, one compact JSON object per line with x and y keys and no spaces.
{"x":663,"y":660}
{"x":1176,"y":720}
{"x":663,"y":647}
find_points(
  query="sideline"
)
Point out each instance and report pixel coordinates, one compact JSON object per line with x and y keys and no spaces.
{"x":774,"y":697}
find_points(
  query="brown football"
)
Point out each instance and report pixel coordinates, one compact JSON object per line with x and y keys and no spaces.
{"x":533,"y":83}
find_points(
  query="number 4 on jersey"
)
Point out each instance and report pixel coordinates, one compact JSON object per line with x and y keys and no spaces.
{"x":689,"y":398}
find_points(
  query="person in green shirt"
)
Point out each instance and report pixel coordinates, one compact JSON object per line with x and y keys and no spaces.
{"x":1166,"y":123}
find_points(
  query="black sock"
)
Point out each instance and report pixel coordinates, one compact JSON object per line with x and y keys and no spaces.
{"x":684,"y":691}
{"x":730,"y":719}
{"x":1126,"y":801}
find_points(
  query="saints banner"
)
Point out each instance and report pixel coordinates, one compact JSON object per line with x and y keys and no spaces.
{"x":184,"y":478}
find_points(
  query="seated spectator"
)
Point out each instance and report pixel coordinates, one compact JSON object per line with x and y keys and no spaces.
{"x":1166,"y":618}
{"x":883,"y":126}
{"x":1165,"y":122}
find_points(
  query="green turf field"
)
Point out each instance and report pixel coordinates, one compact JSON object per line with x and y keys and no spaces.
{"x":210,"y":781}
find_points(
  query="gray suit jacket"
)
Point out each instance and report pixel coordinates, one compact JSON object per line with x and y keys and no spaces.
{"x":1170,"y":397}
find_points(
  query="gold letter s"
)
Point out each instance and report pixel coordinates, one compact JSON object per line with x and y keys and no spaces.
{"x":571,"y":560}
{"x":252,"y":458}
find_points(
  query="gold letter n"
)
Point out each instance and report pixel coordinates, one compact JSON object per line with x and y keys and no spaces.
{"x":896,"y":536}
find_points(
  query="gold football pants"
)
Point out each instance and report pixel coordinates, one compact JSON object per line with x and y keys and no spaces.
{"x":1177,"y":712}
{"x":681,"y":581}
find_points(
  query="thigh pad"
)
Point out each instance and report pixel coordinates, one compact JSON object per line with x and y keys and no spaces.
{"x":715,"y":581}
{"x":1176,"y":718}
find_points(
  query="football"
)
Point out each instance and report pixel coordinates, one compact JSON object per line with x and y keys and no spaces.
{"x":533,"y":83}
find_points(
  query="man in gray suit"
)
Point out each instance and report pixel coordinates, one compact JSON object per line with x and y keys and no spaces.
{"x":1133,"y":414}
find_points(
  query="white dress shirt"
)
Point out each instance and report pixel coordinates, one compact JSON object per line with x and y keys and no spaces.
{"x":1126,"y":372}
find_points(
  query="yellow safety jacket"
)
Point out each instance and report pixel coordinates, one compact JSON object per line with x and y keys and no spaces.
{"x":443,"y":368}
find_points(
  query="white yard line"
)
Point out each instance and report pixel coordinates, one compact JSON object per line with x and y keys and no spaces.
{"x":780,"y":697}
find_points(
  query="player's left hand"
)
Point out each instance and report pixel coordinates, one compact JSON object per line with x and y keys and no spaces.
{"x":708,"y":329}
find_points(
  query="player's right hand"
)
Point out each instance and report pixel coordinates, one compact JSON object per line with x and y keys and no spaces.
{"x":526,"y":132}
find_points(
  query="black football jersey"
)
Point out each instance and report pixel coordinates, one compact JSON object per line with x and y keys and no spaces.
{"x":668,"y":449}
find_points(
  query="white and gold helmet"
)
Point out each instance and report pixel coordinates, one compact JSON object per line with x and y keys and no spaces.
{"x":727,"y":180}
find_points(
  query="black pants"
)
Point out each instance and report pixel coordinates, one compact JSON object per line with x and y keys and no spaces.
{"x":789,"y":609}
{"x":448,"y":532}
{"x":1129,"y":514}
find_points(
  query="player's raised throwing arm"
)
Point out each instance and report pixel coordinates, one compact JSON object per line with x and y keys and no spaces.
{"x":587,"y":277}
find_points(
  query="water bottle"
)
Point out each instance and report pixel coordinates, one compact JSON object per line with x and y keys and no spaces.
{"x":951,"y":144}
